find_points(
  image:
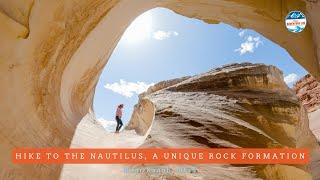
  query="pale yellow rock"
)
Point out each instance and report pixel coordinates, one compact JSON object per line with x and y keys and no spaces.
{"x":315,"y":123}
{"x":52,"y":53}
{"x":142,"y":117}
{"x":17,"y":10}
{"x":284,"y":172}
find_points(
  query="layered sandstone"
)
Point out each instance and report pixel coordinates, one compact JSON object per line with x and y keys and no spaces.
{"x":143,"y":112}
{"x":308,"y":91}
{"x":238,"y":105}
{"x":52,"y":53}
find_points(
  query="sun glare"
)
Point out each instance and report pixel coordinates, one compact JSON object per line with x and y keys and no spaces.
{"x":140,"y":29}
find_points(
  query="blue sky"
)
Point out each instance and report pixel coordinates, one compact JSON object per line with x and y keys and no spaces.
{"x":161,"y":45}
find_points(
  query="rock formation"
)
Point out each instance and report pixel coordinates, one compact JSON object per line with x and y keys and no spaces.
{"x":52,"y":53}
{"x":142,"y":117}
{"x":143,"y":112}
{"x":314,"y":123}
{"x":238,"y":105}
{"x":308,"y":91}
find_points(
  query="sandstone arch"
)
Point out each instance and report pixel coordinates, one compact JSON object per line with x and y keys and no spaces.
{"x":52,"y":52}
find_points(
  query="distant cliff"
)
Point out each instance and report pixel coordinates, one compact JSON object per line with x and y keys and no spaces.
{"x":308,"y":91}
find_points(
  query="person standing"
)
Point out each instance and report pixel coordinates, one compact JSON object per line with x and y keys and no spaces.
{"x":118,"y":118}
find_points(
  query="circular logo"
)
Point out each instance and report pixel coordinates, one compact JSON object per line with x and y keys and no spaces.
{"x":296,"y":21}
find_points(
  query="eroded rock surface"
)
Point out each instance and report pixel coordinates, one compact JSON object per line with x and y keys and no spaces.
{"x":315,"y":123}
{"x":238,"y":105}
{"x":308,"y":91}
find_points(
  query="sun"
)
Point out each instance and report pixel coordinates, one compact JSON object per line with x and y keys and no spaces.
{"x":140,"y":29}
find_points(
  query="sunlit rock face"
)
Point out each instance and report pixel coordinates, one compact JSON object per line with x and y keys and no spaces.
{"x":238,"y":105}
{"x":142,"y":117}
{"x":143,"y":112}
{"x":308,"y":91}
{"x":52,"y":53}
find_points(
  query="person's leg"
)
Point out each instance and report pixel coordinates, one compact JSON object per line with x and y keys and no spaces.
{"x":120,"y":122}
{"x":117,"y":127}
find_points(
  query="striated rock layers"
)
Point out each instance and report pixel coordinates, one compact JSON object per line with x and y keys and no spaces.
{"x":308,"y":91}
{"x":238,"y":105}
{"x":53,"y":51}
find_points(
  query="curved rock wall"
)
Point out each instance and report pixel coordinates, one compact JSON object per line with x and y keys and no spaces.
{"x":52,"y":53}
{"x":238,"y":105}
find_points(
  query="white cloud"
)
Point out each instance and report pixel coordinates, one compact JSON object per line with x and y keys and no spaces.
{"x":128,"y":89}
{"x":290,"y":79}
{"x":250,"y":44}
{"x":241,"y":33}
{"x":107,"y":124}
{"x":161,"y":35}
